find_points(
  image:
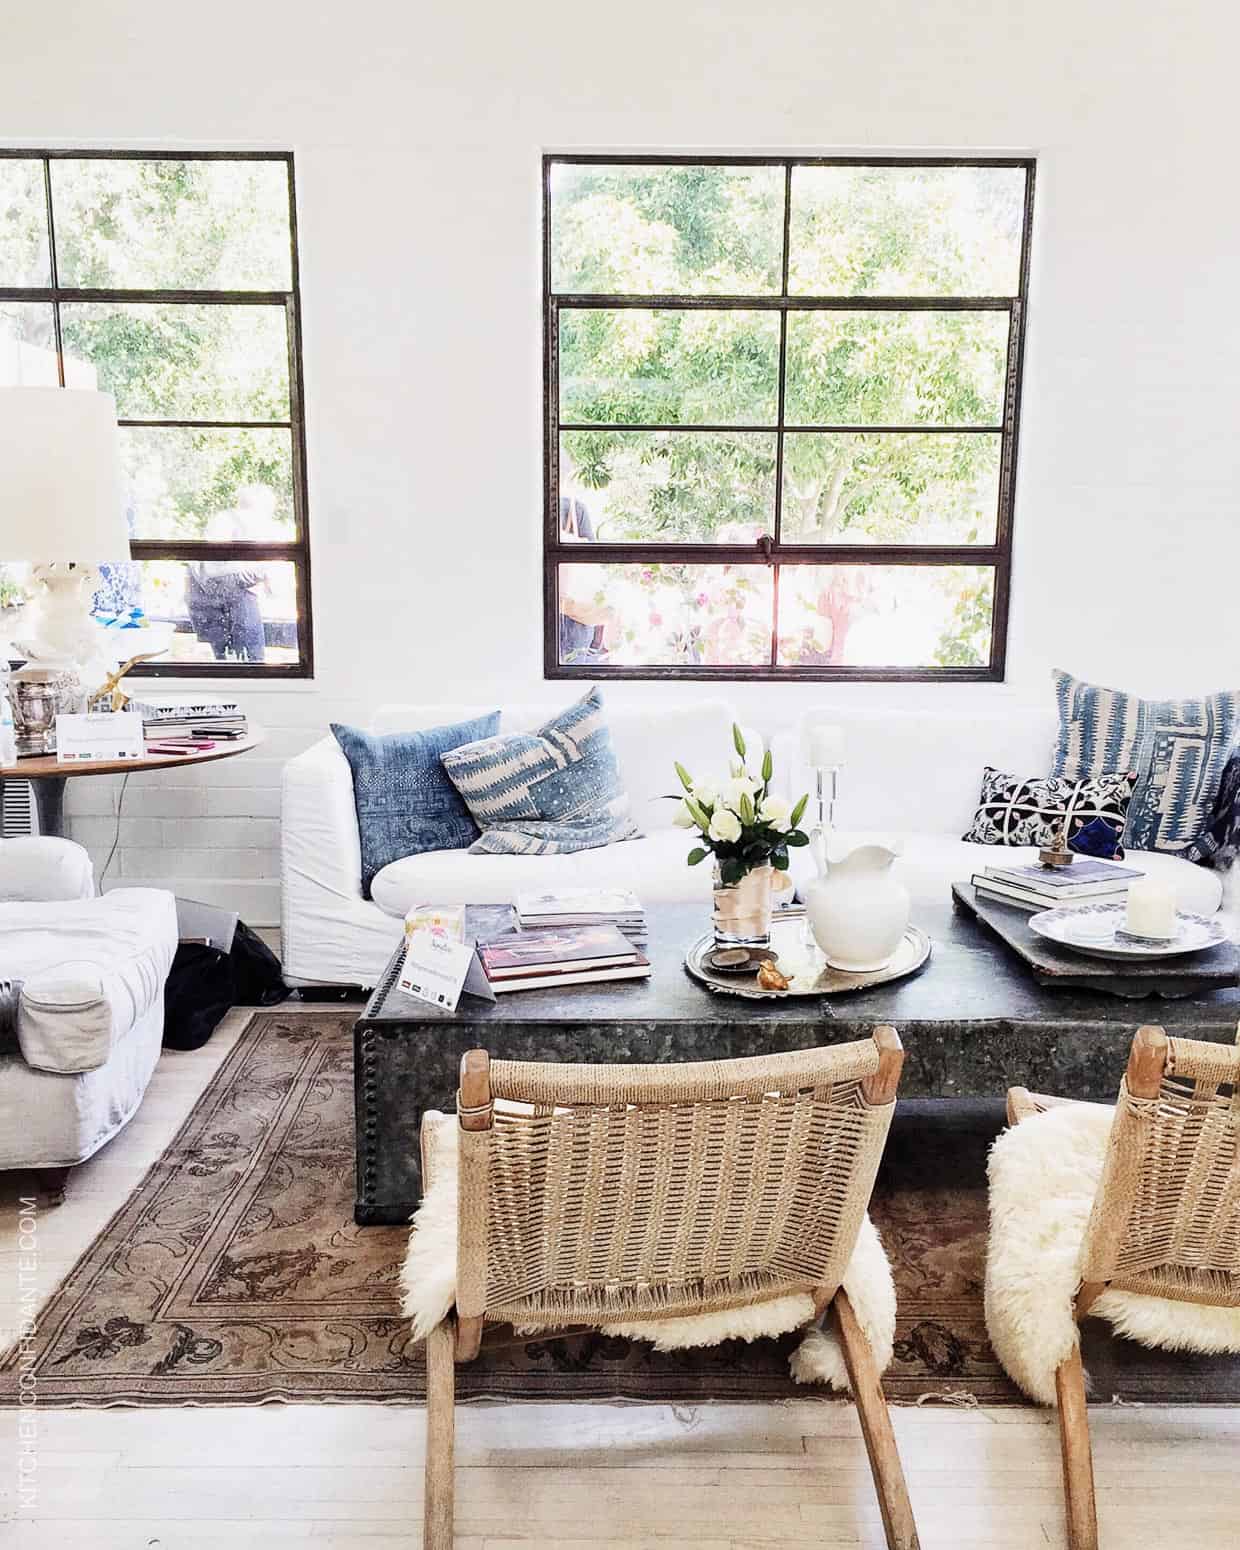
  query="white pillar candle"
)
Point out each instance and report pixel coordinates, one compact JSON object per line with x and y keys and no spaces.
{"x":822,"y":745}
{"x":1151,"y":908}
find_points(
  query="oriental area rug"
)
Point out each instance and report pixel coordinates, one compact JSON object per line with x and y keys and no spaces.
{"x":235,"y":1273}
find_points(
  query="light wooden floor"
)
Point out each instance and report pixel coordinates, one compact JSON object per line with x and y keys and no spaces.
{"x":715,"y":1477}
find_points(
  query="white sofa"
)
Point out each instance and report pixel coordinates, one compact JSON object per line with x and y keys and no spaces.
{"x":911,"y":774}
{"x":331,"y":935}
{"x":916,"y":775}
{"x":82,"y":1004}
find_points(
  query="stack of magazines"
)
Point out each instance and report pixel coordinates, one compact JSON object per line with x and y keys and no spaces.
{"x":584,"y":907}
{"x":189,"y":719}
{"x":1043,"y":888}
{"x":570,"y":955}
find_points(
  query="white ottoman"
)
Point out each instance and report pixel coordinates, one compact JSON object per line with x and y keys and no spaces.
{"x":81,"y":1021}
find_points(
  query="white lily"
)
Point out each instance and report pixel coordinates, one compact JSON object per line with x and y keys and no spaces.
{"x":683,"y":818}
{"x":774,"y":811}
{"x":725,"y":825}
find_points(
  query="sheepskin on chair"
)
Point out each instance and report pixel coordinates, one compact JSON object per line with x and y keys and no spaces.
{"x":428,"y":1285}
{"x":1044,"y":1175}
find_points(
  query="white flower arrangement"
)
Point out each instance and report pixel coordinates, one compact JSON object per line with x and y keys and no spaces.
{"x":739,"y":821}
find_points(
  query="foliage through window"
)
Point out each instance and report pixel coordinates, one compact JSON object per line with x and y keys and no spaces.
{"x":170,"y":281}
{"x":781,"y":414}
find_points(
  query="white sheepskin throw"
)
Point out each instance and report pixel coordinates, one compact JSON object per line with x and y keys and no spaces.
{"x":1044,"y":1174}
{"x":428,"y":1286}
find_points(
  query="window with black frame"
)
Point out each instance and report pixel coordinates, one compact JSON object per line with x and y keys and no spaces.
{"x":782,"y":399}
{"x":170,"y":281}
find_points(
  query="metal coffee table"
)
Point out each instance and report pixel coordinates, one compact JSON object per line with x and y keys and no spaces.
{"x":973,"y":1023}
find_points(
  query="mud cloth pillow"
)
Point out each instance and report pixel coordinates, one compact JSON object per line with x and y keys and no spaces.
{"x":1177,"y":747}
{"x":405,"y":803}
{"x":1033,"y":811}
{"x":548,"y":792}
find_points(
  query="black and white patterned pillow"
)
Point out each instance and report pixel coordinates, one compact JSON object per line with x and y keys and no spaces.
{"x":1032,"y":811}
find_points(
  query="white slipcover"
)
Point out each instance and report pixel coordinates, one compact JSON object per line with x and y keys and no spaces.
{"x":89,"y":1021}
{"x":39,"y":867}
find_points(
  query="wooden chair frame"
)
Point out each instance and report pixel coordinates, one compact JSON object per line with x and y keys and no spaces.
{"x":460,"y":1339}
{"x":1149,"y":1063}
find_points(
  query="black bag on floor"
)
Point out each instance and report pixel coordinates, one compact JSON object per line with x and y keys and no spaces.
{"x":204,"y":983}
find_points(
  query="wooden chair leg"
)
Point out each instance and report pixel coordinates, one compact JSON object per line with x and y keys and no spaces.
{"x":440,"y":1436}
{"x":1078,"y":1465}
{"x":880,"y":1440}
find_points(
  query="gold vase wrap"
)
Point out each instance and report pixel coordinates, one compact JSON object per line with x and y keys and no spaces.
{"x":742,"y":910}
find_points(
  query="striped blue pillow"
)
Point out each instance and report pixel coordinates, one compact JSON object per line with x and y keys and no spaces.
{"x":547,"y":792}
{"x":1178,"y":749}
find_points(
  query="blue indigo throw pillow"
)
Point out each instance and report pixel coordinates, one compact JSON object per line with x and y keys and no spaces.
{"x":405,"y":803}
{"x":1178,"y":749}
{"x":547,"y":792}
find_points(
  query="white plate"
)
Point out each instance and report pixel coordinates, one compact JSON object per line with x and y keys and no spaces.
{"x":1091,"y":929}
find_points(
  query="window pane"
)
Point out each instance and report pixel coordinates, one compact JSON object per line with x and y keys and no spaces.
{"x":27,"y":344}
{"x":670,"y":486}
{"x":217,"y":485}
{"x":901,"y":488}
{"x":23,"y":224}
{"x":906,"y":231}
{"x":651,"y":230}
{"x":885,"y":615}
{"x":896,"y":368}
{"x":177,"y":361}
{"x":225,"y":611}
{"x":172,"y":225}
{"x":666,"y":615}
{"x":633,"y":367}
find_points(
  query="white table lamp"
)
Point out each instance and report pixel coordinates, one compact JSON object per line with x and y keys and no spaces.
{"x":62,"y":510}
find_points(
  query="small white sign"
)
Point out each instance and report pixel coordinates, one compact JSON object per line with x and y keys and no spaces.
{"x":437,"y":969}
{"x":96,"y":735}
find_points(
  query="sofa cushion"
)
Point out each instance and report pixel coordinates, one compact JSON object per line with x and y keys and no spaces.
{"x":1177,"y":747}
{"x":931,"y":863}
{"x":38,"y":867}
{"x":654,"y":867}
{"x":1015,"y":810}
{"x":405,"y":802}
{"x":547,"y":792}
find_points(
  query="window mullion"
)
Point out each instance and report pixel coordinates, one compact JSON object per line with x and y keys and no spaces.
{"x":53,"y":272}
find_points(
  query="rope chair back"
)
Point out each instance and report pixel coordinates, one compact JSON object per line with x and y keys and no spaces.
{"x":596,"y":1193}
{"x":1166,"y":1218}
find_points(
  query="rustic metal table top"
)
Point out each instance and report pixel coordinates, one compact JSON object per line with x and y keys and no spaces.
{"x":971,"y":978}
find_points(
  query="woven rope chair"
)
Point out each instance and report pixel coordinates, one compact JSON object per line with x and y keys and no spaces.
{"x":1165,"y":1220}
{"x":589,"y":1194}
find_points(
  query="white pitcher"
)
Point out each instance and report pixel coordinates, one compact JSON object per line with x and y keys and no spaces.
{"x":858,"y":911}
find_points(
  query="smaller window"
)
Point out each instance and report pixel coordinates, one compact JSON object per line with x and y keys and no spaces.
{"x":170,"y":281}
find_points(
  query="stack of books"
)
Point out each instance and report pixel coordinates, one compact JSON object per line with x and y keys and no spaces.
{"x":1044,"y":888}
{"x":571,"y":955}
{"x":584,"y":907}
{"x":189,"y":719}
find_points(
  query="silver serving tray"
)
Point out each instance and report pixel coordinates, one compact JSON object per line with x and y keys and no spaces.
{"x":912,"y":954}
{"x":1096,"y":930}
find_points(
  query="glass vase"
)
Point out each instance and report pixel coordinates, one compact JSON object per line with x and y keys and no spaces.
{"x":742,"y":911}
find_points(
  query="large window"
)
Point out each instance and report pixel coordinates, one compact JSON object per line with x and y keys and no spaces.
{"x":170,"y":281}
{"x":782,"y":398}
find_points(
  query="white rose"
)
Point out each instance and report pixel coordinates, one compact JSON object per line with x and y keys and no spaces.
{"x":683,"y":818}
{"x":725,"y":826}
{"x":706,"y":792}
{"x":775,"y":811}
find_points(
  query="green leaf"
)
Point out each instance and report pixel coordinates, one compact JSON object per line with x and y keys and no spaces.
{"x":700,"y":816}
{"x":697,"y":854}
{"x":768,"y":767}
{"x":686,"y":780}
{"x":798,"y":812}
{"x":779,"y":860}
{"x":738,"y":742}
{"x":796,"y":838}
{"x":731,"y":872}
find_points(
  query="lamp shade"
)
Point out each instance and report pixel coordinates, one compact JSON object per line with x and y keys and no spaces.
{"x":60,"y":477}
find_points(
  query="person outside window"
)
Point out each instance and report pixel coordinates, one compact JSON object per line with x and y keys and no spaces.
{"x":583,"y":616}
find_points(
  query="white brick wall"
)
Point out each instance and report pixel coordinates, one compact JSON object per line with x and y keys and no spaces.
{"x":207,"y":831}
